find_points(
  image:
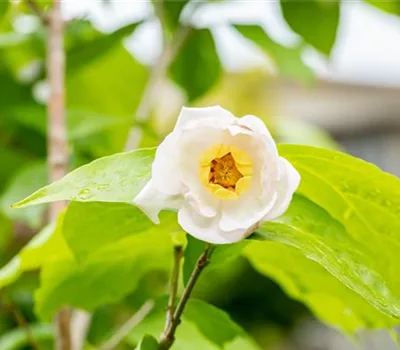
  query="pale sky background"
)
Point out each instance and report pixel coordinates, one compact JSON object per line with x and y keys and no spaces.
{"x":367,"y":50}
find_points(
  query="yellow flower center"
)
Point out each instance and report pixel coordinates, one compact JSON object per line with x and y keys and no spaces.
{"x":226,"y":171}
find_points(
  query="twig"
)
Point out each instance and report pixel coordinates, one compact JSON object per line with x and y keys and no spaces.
{"x":178,"y":254}
{"x":57,"y":151}
{"x":35,"y":8}
{"x":158,"y":73}
{"x":22,"y":323}
{"x":124,"y":330}
{"x":168,"y":337}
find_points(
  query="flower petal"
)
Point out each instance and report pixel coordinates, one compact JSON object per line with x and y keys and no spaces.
{"x":245,"y":212}
{"x":286,"y":187}
{"x":216,"y":115}
{"x":151,"y":201}
{"x":258,"y":127}
{"x":166,"y":164}
{"x":207,"y":229}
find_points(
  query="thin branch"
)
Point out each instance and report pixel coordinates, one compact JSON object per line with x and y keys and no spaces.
{"x":22,"y":323}
{"x":168,"y":337}
{"x":124,"y":330}
{"x":57,"y":147}
{"x":178,"y":254}
{"x":35,"y":8}
{"x":158,"y":73}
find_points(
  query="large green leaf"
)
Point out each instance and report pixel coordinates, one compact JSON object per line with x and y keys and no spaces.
{"x":321,"y":239}
{"x":308,"y":282}
{"x":97,"y":88}
{"x":89,"y":227}
{"x":116,"y":178}
{"x":288,"y":60}
{"x":392,"y":7}
{"x":45,"y":248}
{"x":316,"y":21}
{"x":197,"y":68}
{"x":26,"y":180}
{"x":366,"y":201}
{"x":203,"y":327}
{"x":107,"y":274}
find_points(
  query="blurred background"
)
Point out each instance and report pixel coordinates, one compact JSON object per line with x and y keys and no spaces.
{"x":331,"y":81}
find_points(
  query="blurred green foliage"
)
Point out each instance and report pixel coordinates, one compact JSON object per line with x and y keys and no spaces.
{"x":108,"y":257}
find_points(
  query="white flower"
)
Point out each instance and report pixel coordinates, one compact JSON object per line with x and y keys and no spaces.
{"x":223,"y":174}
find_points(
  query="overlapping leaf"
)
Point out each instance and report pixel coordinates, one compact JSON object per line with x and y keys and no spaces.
{"x":366,"y":201}
{"x":116,"y":178}
{"x":288,"y":60}
{"x":319,"y":239}
{"x":197,"y":67}
{"x":316,"y":21}
{"x":203,"y":327}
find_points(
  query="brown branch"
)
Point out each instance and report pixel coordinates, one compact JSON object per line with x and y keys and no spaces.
{"x":178,"y":254}
{"x":35,"y":8}
{"x":21,"y":321}
{"x":168,"y":337}
{"x":57,"y":147}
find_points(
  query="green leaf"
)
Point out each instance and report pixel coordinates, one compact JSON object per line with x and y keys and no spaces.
{"x":4,"y":7}
{"x":81,"y":55}
{"x":148,"y":343}
{"x":316,"y":21}
{"x":287,"y":59}
{"x":221,"y":255}
{"x":45,"y":248}
{"x":366,"y":201}
{"x":97,"y":88}
{"x":308,"y":282}
{"x":318,"y":238}
{"x":197,"y":68}
{"x":116,"y":178}
{"x":26,"y":180}
{"x":392,"y":7}
{"x":17,"y":339}
{"x":82,"y":124}
{"x":118,"y":221}
{"x":172,"y":11}
{"x":203,"y":327}
{"x":114,"y":267}
{"x":14,"y":159}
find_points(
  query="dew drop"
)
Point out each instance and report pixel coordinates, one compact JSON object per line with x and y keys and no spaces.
{"x":85,"y":194}
{"x":103,"y":187}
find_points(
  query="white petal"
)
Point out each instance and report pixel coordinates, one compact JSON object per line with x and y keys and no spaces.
{"x":258,"y":126}
{"x":207,"y":229}
{"x":189,"y":117}
{"x":165,"y":168}
{"x":201,"y":205}
{"x":245,"y":212}
{"x":151,"y":201}
{"x":286,"y":187}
